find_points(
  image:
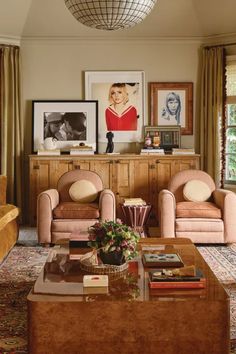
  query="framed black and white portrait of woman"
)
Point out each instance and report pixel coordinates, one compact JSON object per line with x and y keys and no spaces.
{"x":172,"y":104}
{"x":120,"y":96}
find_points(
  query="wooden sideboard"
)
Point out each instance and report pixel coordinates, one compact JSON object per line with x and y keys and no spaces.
{"x":127,"y":175}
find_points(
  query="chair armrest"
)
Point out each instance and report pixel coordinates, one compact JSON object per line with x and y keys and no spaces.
{"x":166,"y":212}
{"x":107,"y":205}
{"x":226,"y":201}
{"x":8,"y":213}
{"x":46,"y":202}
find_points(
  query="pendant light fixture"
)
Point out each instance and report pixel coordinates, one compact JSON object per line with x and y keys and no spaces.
{"x":110,"y":14}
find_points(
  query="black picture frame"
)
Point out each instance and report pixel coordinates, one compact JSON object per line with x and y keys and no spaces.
{"x":42,"y":109}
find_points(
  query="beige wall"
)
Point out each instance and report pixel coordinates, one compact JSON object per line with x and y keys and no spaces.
{"x":53,"y":69}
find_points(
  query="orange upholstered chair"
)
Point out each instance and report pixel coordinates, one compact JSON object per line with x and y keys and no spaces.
{"x":78,"y":202}
{"x":210,"y":221}
{"x":9,"y":229}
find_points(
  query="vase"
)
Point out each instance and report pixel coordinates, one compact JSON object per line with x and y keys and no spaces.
{"x":114,"y":257}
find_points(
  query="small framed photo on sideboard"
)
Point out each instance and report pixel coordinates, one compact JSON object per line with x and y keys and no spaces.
{"x":170,"y":136}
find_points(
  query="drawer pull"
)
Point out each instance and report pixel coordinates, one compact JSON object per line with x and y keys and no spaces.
{"x":36,"y":167}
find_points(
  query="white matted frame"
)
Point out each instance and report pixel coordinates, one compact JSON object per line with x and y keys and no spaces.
{"x":97,"y":86}
{"x":40,"y":110}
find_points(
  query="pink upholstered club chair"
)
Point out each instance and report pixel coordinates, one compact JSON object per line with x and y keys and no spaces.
{"x":58,"y":215}
{"x":211,"y":221}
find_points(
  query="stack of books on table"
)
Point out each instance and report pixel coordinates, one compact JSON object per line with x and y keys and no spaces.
{"x":152,"y":151}
{"x":54,"y":152}
{"x":82,"y":150}
{"x":77,"y":247}
{"x":184,"y":151}
{"x":134,"y":201}
{"x":180,"y":278}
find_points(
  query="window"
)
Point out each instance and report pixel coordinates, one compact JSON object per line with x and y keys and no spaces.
{"x":230,"y":171}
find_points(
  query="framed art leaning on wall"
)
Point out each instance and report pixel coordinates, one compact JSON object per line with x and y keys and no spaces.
{"x":172,"y":104}
{"x":69,"y":123}
{"x":121,"y":103}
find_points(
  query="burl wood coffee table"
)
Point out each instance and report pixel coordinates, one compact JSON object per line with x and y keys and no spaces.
{"x":129,"y":319}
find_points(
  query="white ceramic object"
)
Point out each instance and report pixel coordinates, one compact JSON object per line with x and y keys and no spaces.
{"x":50,"y":143}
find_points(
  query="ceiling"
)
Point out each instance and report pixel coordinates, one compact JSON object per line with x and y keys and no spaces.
{"x":169,"y":19}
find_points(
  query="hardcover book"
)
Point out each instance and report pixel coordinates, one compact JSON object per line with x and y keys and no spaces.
{"x":134,"y":201}
{"x":183,"y":151}
{"x":162,"y":260}
{"x":81,"y":152}
{"x":152,"y":152}
{"x":77,"y":248}
{"x":178,"y":294}
{"x":54,"y":152}
{"x":166,"y":278}
{"x":178,"y":285}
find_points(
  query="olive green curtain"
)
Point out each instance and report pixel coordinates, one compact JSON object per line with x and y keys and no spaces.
{"x":11,"y":123}
{"x":210,"y":110}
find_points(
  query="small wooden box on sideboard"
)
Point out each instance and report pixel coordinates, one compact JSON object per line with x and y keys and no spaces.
{"x":127,"y":175}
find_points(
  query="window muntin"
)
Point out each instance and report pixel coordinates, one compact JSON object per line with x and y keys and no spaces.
{"x":230,"y":133}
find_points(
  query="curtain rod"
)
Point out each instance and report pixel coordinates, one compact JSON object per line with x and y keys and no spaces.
{"x":220,"y":45}
{"x":9,"y":45}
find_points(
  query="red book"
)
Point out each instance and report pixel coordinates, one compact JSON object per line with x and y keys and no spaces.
{"x":178,"y":285}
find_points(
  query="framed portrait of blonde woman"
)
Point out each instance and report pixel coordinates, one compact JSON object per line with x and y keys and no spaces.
{"x":120,"y":96}
{"x":172,"y":104}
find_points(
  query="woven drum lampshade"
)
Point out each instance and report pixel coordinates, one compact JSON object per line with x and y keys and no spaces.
{"x":110,"y":14}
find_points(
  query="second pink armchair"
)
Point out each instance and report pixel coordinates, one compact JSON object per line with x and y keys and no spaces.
{"x":212,"y":221}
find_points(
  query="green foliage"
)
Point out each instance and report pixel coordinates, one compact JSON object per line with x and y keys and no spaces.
{"x":231,"y":114}
{"x":231,"y":168}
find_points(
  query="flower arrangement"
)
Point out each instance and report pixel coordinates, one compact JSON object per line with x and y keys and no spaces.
{"x":111,"y":236}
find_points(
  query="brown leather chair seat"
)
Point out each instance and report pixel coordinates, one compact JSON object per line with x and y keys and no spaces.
{"x":197,"y":210}
{"x":71,"y":210}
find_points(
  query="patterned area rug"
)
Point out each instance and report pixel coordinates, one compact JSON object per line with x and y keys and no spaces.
{"x":17,"y":275}
{"x":222,"y":261}
{"x":19,"y":271}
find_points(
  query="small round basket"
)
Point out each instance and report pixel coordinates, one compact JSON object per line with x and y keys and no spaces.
{"x":89,"y":263}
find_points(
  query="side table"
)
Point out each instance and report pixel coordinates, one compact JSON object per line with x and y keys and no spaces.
{"x":137,"y":216}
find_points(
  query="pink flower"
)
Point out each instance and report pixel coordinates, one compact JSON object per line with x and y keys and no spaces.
{"x":118,"y":221}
